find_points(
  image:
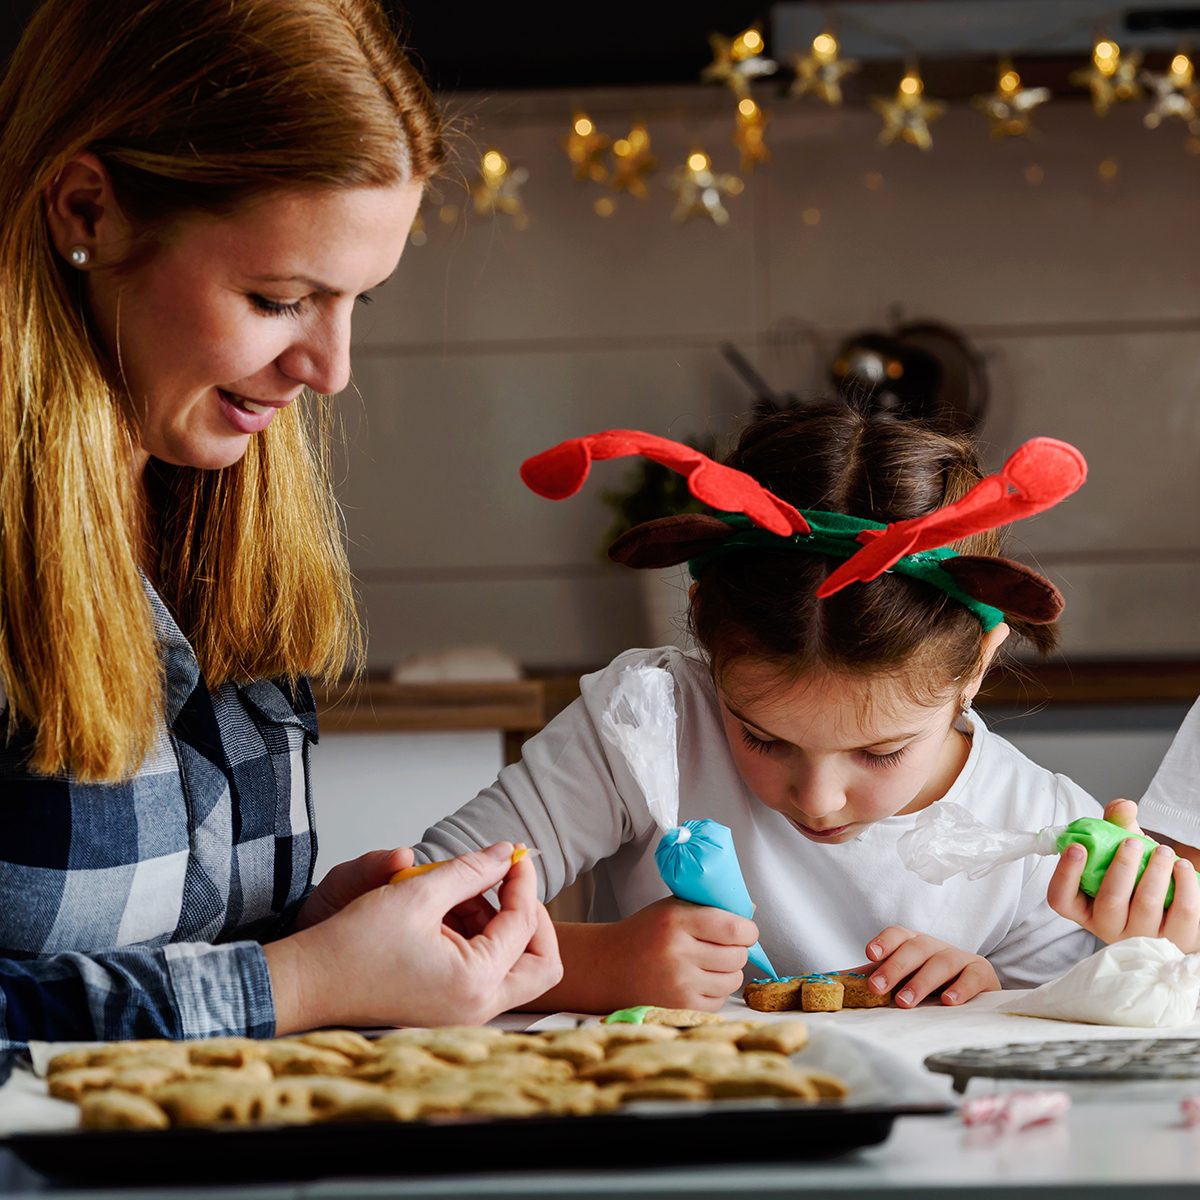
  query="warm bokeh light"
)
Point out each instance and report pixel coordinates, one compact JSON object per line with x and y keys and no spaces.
{"x":622,"y":148}
{"x":911,"y":84}
{"x":1108,"y":169}
{"x":583,"y":125}
{"x":749,"y":42}
{"x":494,"y":163}
{"x":605,"y":206}
{"x":698,"y":161}
{"x":1106,"y":55}
{"x":811,"y":216}
{"x":825,"y":45}
{"x":747,"y":107}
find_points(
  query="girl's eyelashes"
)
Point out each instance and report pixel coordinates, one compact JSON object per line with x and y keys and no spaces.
{"x":885,"y":760}
{"x":275,"y":308}
{"x":757,"y":744}
{"x":365,"y":298}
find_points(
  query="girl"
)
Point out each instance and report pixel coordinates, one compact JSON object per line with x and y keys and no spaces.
{"x":194,"y":193}
{"x":816,"y":728}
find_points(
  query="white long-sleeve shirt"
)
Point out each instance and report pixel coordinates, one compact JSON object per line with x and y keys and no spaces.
{"x":573,"y":797}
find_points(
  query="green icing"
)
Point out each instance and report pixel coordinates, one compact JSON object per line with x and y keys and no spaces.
{"x":628,"y":1016}
{"x":1101,"y":839}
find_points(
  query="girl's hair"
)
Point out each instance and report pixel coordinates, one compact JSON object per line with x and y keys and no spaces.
{"x":762,"y":604}
{"x":194,"y":107}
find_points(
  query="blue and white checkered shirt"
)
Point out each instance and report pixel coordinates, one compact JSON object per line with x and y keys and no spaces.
{"x":138,"y":909}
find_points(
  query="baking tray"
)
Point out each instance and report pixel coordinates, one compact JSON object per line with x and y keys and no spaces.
{"x":881,"y":1088}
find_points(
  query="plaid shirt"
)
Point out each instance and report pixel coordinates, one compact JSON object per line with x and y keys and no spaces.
{"x":138,"y":909}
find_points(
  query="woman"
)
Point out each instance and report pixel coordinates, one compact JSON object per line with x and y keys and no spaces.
{"x":195,"y":193}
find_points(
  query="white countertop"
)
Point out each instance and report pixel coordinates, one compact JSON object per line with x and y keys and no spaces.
{"x":1119,"y":1139}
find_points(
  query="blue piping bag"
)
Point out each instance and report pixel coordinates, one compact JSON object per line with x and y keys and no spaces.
{"x":698,"y":862}
{"x":696,"y":859}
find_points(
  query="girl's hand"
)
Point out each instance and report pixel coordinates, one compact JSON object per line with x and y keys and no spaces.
{"x":923,"y":964}
{"x":1125,"y":906}
{"x":348,"y":881}
{"x":394,"y":957}
{"x":678,"y":955}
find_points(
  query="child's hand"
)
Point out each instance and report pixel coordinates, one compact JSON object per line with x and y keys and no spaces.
{"x":898,"y":955}
{"x":349,"y":880}
{"x":394,"y":957}
{"x":680,"y":955}
{"x":1125,"y":906}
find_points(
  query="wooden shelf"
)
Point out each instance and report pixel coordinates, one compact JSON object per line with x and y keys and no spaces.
{"x":522,"y":707}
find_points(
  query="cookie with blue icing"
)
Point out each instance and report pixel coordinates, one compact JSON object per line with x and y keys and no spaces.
{"x":820,"y":991}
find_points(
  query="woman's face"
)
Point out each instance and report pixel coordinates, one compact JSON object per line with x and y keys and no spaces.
{"x":834,"y":754}
{"x":231,"y":318}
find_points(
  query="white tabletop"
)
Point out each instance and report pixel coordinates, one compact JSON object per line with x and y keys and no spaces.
{"x":1119,"y":1139}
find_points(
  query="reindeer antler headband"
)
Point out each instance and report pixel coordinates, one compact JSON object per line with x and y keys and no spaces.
{"x":1037,"y":476}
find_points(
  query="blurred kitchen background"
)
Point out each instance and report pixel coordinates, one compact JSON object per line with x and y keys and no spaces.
{"x":1027,"y":262}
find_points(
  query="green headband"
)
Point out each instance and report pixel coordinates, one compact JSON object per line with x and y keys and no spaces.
{"x":835,"y":535}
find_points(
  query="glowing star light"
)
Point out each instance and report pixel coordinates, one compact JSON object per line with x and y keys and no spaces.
{"x":735,"y":63}
{"x":820,"y":72}
{"x":1175,"y":93}
{"x":700,"y":189}
{"x":632,"y":162}
{"x":1010,"y":107}
{"x":1110,"y":78}
{"x":585,"y":146}
{"x":749,"y":136}
{"x":907,"y":115}
{"x":498,"y":188}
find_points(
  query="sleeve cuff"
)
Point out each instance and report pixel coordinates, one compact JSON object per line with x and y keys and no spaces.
{"x":221,"y":990}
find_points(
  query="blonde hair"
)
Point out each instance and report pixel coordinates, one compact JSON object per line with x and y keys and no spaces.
{"x":193,"y":106}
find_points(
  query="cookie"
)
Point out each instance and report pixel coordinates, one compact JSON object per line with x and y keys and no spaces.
{"x":121,"y":1110}
{"x":225,"y":1052}
{"x":822,"y":995}
{"x":858,"y":992}
{"x":783,"y":1037}
{"x":773,"y":995}
{"x":354,"y":1046}
{"x":288,"y":1057}
{"x":819,"y":992}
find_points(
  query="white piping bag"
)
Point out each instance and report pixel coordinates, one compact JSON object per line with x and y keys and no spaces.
{"x":697,"y":859}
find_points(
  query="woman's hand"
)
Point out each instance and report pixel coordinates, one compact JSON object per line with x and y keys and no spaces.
{"x":1125,"y":906}
{"x":349,"y":880}
{"x":421,"y":951}
{"x":923,"y":965}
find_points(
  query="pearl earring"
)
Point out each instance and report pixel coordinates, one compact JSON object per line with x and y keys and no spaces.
{"x":79,"y":256}
{"x":964,"y":704}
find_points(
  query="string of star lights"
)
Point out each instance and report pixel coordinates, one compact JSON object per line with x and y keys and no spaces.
{"x":1111,"y":77}
{"x":1175,"y":94}
{"x":906,"y":115}
{"x":611,"y":166}
{"x":820,"y":72}
{"x":1009,"y":109}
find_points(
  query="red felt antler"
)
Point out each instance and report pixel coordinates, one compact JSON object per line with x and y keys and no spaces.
{"x":560,"y":472}
{"x":1037,"y":476}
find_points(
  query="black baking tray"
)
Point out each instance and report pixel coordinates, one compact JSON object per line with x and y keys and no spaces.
{"x":660,"y":1133}
{"x":784,"y":1133}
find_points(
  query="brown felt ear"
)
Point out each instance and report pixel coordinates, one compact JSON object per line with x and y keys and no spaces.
{"x":1010,"y":586}
{"x":668,"y":541}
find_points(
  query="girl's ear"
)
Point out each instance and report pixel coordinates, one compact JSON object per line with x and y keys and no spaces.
{"x":992,"y":641}
{"x":668,"y":541}
{"x":1012,"y":587}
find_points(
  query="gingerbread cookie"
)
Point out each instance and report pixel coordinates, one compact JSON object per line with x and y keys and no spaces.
{"x":414,"y":1074}
{"x":820,"y":992}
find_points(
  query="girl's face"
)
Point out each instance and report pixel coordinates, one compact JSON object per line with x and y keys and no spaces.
{"x":833,"y":754}
{"x":229,"y":320}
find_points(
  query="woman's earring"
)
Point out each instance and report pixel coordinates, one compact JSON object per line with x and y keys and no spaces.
{"x":964,"y":704}
{"x":80,"y":256}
